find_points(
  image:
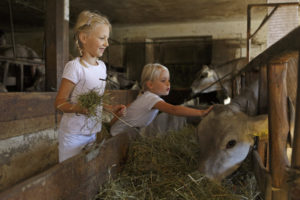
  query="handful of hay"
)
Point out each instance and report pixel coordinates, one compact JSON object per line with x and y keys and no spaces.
{"x":91,"y":100}
{"x":166,"y":168}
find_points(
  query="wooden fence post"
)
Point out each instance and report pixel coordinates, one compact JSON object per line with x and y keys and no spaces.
{"x":263,"y":109}
{"x":294,"y":191}
{"x":278,"y":128}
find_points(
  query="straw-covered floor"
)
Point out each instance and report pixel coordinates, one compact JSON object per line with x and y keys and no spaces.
{"x":165,"y":167}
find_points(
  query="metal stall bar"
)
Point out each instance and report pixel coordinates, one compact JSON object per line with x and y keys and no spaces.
{"x":12,"y":28}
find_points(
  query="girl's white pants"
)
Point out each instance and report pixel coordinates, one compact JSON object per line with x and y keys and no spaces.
{"x":71,"y":144}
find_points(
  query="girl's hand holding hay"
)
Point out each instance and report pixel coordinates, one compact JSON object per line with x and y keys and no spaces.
{"x":119,"y":110}
{"x":90,"y":101}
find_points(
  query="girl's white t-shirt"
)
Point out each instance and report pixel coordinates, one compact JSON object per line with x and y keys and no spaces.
{"x":139,"y":114}
{"x":85,"y":78}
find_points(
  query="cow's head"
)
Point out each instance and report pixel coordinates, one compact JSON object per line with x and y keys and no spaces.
{"x":225,"y":137}
{"x":204,"y":78}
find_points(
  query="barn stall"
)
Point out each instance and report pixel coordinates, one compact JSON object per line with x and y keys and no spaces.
{"x":89,"y":168}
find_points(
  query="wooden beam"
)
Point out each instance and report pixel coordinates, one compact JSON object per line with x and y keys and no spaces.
{"x":263,"y":109}
{"x":263,"y":87}
{"x":17,"y":106}
{"x":294,"y":191}
{"x":278,"y":128}
{"x":25,"y":126}
{"x":57,"y":41}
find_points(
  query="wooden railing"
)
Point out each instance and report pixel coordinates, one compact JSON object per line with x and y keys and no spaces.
{"x":273,"y":175}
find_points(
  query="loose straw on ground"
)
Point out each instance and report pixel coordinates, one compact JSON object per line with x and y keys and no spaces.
{"x":165,"y":167}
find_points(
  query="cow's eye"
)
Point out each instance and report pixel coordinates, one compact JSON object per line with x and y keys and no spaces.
{"x":230,"y":144}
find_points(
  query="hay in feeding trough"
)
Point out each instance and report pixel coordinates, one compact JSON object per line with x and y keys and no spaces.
{"x":166,"y":168}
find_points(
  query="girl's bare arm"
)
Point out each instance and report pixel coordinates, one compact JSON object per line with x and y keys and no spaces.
{"x":180,"y":110}
{"x":62,"y":99}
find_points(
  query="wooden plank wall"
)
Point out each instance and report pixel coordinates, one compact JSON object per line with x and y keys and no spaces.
{"x":29,"y":115}
{"x":23,"y":113}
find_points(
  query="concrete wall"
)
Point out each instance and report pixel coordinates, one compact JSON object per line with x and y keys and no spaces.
{"x":223,"y":33}
{"x":226,"y":31}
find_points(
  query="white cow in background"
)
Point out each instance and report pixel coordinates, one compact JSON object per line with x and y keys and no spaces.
{"x":210,"y":79}
{"x":117,"y":79}
{"x":33,"y":73}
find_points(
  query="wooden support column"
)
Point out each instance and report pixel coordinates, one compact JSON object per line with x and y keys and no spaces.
{"x":57,"y":41}
{"x":263,"y":87}
{"x":263,"y":109}
{"x":278,"y":128}
{"x":294,"y":192}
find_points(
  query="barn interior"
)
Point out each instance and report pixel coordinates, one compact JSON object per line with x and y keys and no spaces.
{"x":148,"y":31}
{"x":183,"y":35}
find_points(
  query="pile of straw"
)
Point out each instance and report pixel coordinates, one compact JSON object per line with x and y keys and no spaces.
{"x":166,"y":168}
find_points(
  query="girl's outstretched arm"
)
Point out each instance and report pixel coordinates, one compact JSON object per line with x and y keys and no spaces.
{"x":180,"y":110}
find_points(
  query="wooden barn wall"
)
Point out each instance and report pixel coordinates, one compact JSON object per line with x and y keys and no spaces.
{"x":77,"y":178}
{"x":28,"y":135}
{"x":23,"y":113}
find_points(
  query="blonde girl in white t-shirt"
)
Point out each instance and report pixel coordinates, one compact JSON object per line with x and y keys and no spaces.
{"x":155,"y":82}
{"x":81,"y":75}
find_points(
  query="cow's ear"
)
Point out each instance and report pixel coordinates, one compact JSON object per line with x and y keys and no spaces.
{"x":258,"y":125}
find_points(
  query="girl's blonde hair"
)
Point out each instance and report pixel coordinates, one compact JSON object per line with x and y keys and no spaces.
{"x":86,"y":22}
{"x":151,"y":72}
